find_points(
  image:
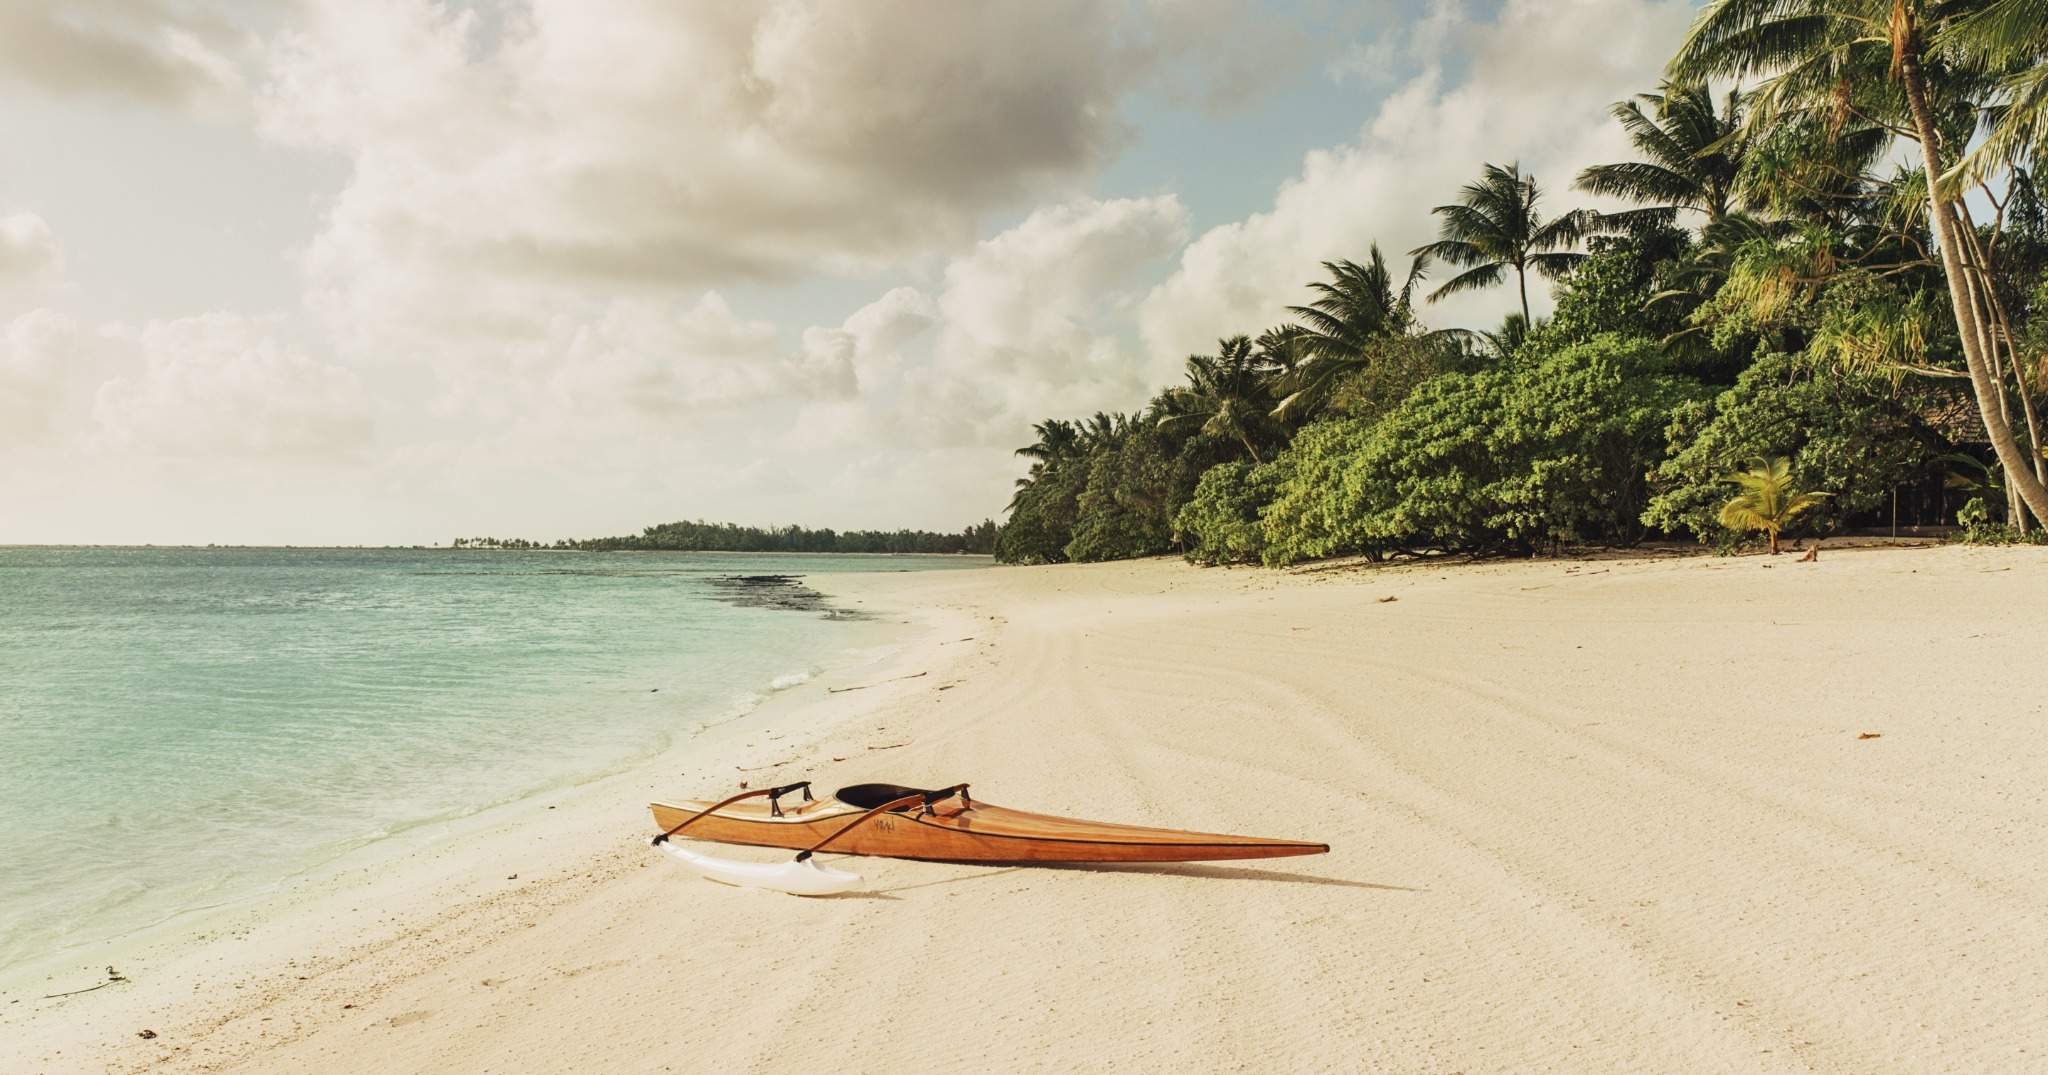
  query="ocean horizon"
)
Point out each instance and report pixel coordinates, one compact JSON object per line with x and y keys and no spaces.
{"x":184,"y":727}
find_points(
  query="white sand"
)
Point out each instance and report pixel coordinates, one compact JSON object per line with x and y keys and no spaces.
{"x":1598,"y":816}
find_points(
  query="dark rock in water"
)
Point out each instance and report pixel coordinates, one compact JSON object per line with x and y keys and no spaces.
{"x":785,"y":593}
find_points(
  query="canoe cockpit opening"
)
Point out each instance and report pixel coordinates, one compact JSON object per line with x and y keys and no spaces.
{"x":869,"y":796}
{"x":872,"y":796}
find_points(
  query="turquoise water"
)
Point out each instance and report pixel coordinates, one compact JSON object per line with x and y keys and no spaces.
{"x":180,"y":728}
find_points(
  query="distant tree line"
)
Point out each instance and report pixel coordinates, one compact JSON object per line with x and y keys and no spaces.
{"x":700,"y":536}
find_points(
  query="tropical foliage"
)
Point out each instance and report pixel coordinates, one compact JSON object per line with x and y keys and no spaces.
{"x":1761,"y":281}
{"x":1768,"y":502}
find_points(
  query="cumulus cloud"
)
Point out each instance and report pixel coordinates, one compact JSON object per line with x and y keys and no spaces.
{"x":161,"y":52}
{"x":663,"y":362}
{"x":653,"y":144}
{"x":41,"y":358}
{"x":1524,"y":85}
{"x":1032,"y":321}
{"x":28,"y":250}
{"x":225,"y":385}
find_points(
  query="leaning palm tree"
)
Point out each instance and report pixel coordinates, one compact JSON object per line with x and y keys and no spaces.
{"x":1692,"y":148}
{"x":1225,"y":396}
{"x":1891,"y":59}
{"x":1355,"y":310}
{"x":1494,"y":227}
{"x":1768,"y":501}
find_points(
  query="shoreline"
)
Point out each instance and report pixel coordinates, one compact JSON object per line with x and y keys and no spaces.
{"x":1594,"y":815}
{"x":336,"y":904}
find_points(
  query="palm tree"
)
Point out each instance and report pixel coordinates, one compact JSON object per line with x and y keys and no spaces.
{"x":1102,"y":430}
{"x":1847,"y":56}
{"x":1501,"y":344}
{"x":1281,"y":350}
{"x":1057,"y":439}
{"x":1225,"y":394}
{"x":1494,"y":226}
{"x":1692,"y":150}
{"x":1356,"y":309}
{"x":1768,"y":501}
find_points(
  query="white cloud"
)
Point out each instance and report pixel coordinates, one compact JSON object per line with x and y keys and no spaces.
{"x":661,"y":362}
{"x":1535,"y":89}
{"x":28,"y":251}
{"x":217,"y":386}
{"x":653,"y":144}
{"x":163,"y":52}
{"x":222,"y":385}
{"x":1031,"y":322}
{"x":40,"y":355}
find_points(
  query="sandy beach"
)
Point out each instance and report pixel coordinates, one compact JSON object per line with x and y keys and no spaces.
{"x":1637,"y":814}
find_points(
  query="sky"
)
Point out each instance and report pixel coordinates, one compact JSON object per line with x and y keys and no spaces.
{"x":397,"y":271}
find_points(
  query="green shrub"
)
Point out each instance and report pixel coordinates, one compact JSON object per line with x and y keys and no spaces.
{"x":1220,"y":525}
{"x":1853,"y":436}
{"x":1979,"y":529}
{"x":1551,"y":448}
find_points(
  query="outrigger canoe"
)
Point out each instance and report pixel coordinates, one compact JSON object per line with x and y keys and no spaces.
{"x":943,"y":825}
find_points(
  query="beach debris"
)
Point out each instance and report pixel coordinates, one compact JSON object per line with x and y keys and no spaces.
{"x":1870,"y":735}
{"x":877,"y":683}
{"x":114,"y":977}
{"x":887,"y":746}
{"x":1389,"y":599}
{"x":1812,"y":556}
{"x":511,"y":877}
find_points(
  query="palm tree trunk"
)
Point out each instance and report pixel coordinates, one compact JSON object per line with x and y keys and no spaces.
{"x":1774,"y":541}
{"x":1248,"y":447}
{"x":1986,"y":389}
{"x":1522,"y":281}
{"x":1976,"y":285}
{"x":2001,"y":328}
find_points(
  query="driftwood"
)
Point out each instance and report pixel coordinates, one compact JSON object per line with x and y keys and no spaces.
{"x":114,"y":977}
{"x":877,"y":683}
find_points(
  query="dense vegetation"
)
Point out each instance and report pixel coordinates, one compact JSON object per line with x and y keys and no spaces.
{"x":1781,"y":316}
{"x":698,"y":536}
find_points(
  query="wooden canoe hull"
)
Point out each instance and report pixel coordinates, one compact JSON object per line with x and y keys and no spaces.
{"x":982,"y":833}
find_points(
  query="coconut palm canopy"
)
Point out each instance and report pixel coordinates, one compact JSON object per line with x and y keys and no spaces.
{"x":1692,"y":146}
{"x":1496,"y":225}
